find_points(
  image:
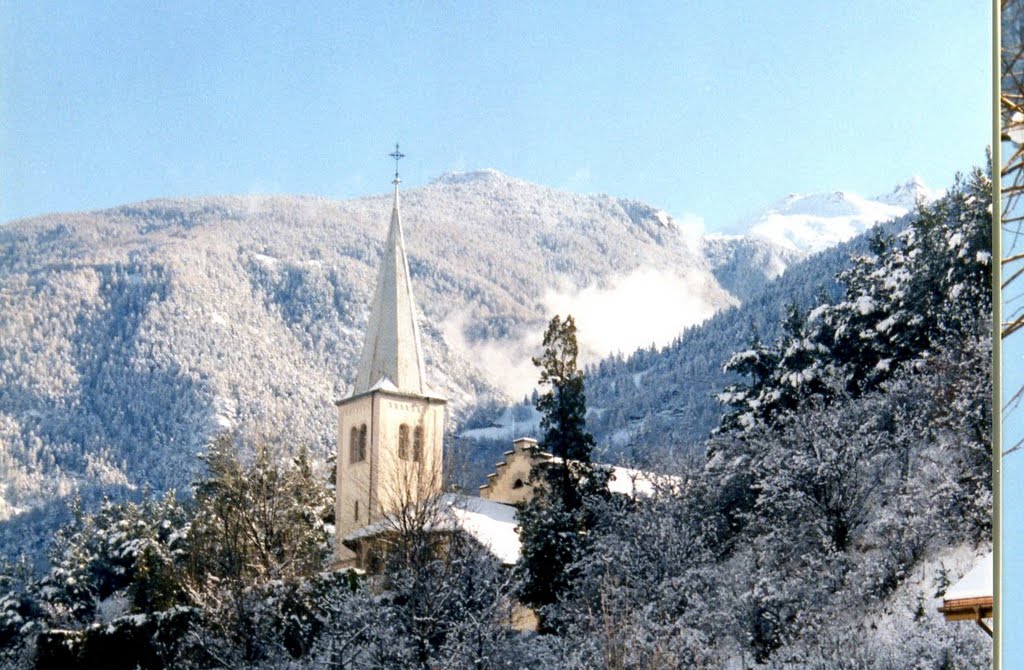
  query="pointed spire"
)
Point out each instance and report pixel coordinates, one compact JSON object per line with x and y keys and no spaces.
{"x":392,"y":348}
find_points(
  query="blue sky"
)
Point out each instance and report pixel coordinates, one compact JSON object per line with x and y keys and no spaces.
{"x":694,"y":107}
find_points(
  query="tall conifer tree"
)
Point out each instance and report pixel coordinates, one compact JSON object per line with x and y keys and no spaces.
{"x":554,"y":524}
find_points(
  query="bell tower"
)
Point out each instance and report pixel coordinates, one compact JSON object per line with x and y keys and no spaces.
{"x":390,"y":428}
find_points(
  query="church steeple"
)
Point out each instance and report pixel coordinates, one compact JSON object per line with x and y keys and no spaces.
{"x":391,"y":429}
{"x":392,"y":350}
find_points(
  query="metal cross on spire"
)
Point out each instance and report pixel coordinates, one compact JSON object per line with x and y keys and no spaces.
{"x":397,"y":155}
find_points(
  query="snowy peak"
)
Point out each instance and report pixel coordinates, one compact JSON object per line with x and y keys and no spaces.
{"x":811,"y":223}
{"x":507,"y":194}
{"x":908,"y":194}
{"x":472,"y":176}
{"x":839,"y":203}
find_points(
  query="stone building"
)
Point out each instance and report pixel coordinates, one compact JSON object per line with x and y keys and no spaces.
{"x":510,"y":482}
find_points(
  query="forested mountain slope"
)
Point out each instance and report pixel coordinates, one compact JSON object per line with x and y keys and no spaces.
{"x":128,"y":337}
{"x":667,"y":398}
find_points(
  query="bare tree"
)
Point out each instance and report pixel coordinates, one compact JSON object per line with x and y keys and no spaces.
{"x":446,"y":595}
{"x":1012,"y":179}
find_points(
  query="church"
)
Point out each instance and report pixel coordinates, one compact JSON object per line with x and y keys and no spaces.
{"x":390,"y":433}
{"x":391,"y":429}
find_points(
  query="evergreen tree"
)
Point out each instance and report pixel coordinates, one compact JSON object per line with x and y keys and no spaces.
{"x":563,"y":408}
{"x":257,"y":531}
{"x":259,"y":522}
{"x":554,"y":523}
{"x":915,"y":293}
{"x":757,"y":362}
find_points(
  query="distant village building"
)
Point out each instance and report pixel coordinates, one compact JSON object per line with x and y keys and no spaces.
{"x":510,"y":483}
{"x":970,"y":599}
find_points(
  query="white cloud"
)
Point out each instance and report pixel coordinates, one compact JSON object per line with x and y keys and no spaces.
{"x":646,"y":306}
{"x":691,"y":225}
{"x":507,"y":363}
{"x":629,"y":312}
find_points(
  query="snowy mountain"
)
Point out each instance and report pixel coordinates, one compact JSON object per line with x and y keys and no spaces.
{"x":130,"y":336}
{"x":743,"y":263}
{"x":810,"y":223}
{"x":845,"y":497}
{"x":909,"y":193}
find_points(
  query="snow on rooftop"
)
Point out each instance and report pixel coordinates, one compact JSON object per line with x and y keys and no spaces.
{"x":977,"y":583}
{"x":490,"y":523}
{"x":493,"y":524}
{"x":630,"y":482}
{"x":383,"y":384}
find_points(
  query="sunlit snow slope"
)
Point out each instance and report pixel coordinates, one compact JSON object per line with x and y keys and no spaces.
{"x":810,"y":223}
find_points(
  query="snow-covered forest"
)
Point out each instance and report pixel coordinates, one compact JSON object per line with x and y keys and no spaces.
{"x":847,"y":485}
{"x":131,"y":337}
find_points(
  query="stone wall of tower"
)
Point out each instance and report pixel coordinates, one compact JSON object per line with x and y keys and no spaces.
{"x":382,"y":481}
{"x":352,"y":495}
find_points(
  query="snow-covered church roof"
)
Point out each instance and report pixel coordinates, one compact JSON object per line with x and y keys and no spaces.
{"x":490,"y":523}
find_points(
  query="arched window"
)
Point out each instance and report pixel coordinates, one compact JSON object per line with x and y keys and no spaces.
{"x":403,"y":442}
{"x":518,"y":484}
{"x":362,"y":442}
{"x":353,"y":445}
{"x":417,"y":444}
